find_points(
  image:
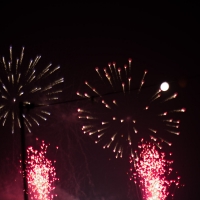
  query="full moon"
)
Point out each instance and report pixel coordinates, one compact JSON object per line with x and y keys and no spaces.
{"x":164,"y":86}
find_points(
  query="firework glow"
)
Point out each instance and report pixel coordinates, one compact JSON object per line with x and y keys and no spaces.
{"x":26,"y":81}
{"x":150,"y":172}
{"x":119,"y":109}
{"x":41,"y":174}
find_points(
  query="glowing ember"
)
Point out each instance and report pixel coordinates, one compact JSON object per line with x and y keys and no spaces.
{"x":151,"y":172}
{"x":41,"y":174}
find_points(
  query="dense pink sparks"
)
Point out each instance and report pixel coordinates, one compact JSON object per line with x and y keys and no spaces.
{"x":40,"y":174}
{"x":151,"y":171}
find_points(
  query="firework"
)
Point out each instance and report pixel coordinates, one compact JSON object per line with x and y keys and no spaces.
{"x":27,"y":82}
{"x":120,"y":108}
{"x":150,"y":172}
{"x":41,"y":174}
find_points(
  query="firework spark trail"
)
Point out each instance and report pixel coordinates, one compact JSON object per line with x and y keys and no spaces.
{"x":27,"y":83}
{"x":150,"y":171}
{"x":76,"y":178}
{"x":41,"y":174}
{"x":72,"y":152}
{"x":118,"y":110}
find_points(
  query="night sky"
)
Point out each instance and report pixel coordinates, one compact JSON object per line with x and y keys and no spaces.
{"x":162,"y":38}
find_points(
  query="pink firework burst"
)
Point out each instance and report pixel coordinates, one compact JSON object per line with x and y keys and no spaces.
{"x":150,"y":172}
{"x":41,"y":174}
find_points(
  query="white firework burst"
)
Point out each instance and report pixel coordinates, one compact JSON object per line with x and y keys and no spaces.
{"x":27,"y":82}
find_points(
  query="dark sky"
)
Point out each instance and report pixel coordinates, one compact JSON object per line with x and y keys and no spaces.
{"x":162,"y":37}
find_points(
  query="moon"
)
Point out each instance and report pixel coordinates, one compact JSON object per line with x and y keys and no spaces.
{"x":164,"y":86}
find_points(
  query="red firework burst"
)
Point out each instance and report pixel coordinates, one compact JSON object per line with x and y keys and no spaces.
{"x":151,"y":171}
{"x":41,"y":174}
{"x":119,"y":109}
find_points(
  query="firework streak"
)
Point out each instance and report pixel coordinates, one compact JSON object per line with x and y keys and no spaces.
{"x":41,"y":174}
{"x":150,"y":172}
{"x":29,"y":83}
